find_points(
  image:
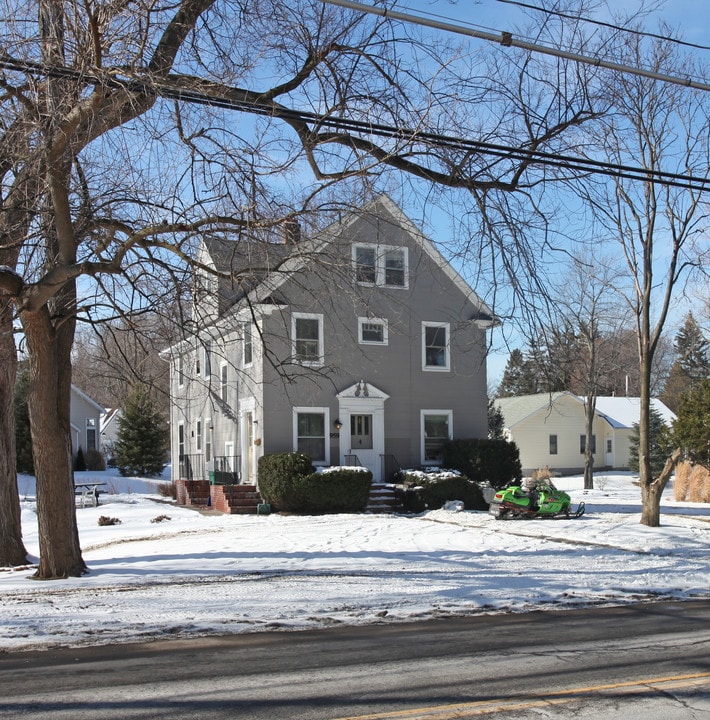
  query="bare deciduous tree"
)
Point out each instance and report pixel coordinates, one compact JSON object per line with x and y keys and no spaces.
{"x":129,"y":130}
{"x":659,"y":229}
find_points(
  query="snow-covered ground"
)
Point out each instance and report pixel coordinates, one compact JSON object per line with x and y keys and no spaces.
{"x":166,"y":571}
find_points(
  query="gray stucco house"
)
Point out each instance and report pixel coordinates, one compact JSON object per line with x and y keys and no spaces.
{"x":359,"y":346}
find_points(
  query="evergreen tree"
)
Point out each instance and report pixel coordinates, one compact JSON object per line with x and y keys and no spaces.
{"x":660,"y":443}
{"x":691,"y":429}
{"x":496,"y":421}
{"x":142,"y":436}
{"x":692,"y":363}
{"x":519,"y":376}
{"x":23,"y":438}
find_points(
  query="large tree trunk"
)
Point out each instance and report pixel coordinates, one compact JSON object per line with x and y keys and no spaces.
{"x":651,"y":492}
{"x":590,"y":408}
{"x":12,"y":549}
{"x":49,"y":406}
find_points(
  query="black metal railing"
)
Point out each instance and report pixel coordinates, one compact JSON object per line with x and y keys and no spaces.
{"x":191,"y":467}
{"x":352,"y":461}
{"x":390,"y":467}
{"x":226,"y":470}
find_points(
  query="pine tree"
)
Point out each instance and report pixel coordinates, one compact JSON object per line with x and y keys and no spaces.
{"x":142,"y":437}
{"x":691,"y":429}
{"x":692,"y":363}
{"x":23,"y":437}
{"x":660,"y":443}
{"x":496,"y":421}
{"x":519,"y":377}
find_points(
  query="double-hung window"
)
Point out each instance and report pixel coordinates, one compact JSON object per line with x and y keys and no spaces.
{"x":385,"y":265}
{"x":248,"y":345}
{"x":435,"y":346}
{"x":307,"y":338}
{"x":223,"y":379}
{"x":583,"y":444}
{"x":310,"y":435}
{"x":435,"y":432}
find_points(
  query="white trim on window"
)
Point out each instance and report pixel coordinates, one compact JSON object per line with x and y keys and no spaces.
{"x":198,"y":435}
{"x":307,"y":350}
{"x":362,"y":329}
{"x":436,"y":355}
{"x":426,"y":443}
{"x":180,"y":371}
{"x":223,"y":382}
{"x":248,"y":344}
{"x":325,"y":413}
{"x":387,"y":263}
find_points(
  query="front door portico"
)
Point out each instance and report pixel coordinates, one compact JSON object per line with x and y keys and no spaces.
{"x":361,"y":409}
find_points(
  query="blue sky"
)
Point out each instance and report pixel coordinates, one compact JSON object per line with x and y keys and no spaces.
{"x":689,"y":18}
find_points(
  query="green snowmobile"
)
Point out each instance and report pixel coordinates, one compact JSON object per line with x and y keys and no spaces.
{"x":545,"y":501}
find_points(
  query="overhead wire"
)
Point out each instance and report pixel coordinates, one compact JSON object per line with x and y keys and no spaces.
{"x":508,"y":39}
{"x":503,"y":152}
{"x":602,"y":23}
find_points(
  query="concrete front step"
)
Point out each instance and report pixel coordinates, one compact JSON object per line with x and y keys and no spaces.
{"x":382,"y":498}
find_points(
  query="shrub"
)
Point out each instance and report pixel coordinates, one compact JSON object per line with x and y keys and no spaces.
{"x":430,"y":490}
{"x":494,"y":461}
{"x":681,"y":483}
{"x":288,"y":483}
{"x":79,"y":461}
{"x":94,"y":460}
{"x":699,"y":490}
{"x":106,"y":520}
{"x":160,"y":518}
{"x":338,"y":490}
{"x":281,"y":479}
{"x":168,"y":490}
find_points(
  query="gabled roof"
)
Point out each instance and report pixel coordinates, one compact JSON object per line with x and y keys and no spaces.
{"x":270,"y":264}
{"x":518,"y":408}
{"x":86,"y":398}
{"x":624,"y":412}
{"x":619,"y":412}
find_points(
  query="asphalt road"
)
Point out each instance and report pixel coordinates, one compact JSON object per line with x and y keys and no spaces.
{"x":643,"y":661}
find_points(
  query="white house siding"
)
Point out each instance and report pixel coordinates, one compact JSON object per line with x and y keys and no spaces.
{"x":565,"y":418}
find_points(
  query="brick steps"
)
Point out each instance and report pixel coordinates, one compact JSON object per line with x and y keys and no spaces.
{"x":230,"y":499}
{"x":235,"y":499}
{"x":382,"y":498}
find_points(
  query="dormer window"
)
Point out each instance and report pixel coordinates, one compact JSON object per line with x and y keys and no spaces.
{"x":384,"y":265}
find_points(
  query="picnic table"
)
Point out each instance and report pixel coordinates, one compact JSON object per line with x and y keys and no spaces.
{"x":89,"y":492}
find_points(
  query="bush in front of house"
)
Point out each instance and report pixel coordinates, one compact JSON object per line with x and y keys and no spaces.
{"x":281,"y":478}
{"x":429,"y":489}
{"x":481,"y":460}
{"x":337,"y":490}
{"x":287,"y":482}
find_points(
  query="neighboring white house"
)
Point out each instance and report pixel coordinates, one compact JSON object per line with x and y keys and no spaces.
{"x":85,"y":415}
{"x":549,"y":429}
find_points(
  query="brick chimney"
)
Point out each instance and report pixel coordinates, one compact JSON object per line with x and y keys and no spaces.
{"x":291,"y":232}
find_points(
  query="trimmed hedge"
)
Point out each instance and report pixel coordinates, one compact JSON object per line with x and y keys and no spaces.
{"x":481,"y":460}
{"x":430,"y":490}
{"x":289,"y":484}
{"x":279,"y":479}
{"x":341,"y":490}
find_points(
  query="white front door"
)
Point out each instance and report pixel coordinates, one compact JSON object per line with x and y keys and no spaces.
{"x":362,"y":410}
{"x":362,"y":443}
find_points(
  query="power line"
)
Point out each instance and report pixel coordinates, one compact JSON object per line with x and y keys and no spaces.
{"x":502,"y":152}
{"x":507,"y":39}
{"x":601,"y":23}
